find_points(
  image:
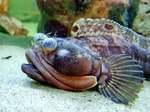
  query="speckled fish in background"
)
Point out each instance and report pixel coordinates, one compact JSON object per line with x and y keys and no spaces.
{"x":107,"y":38}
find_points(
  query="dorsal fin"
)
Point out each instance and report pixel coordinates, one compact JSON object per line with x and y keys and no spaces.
{"x":98,"y":27}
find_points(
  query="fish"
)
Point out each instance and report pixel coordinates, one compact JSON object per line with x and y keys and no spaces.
{"x":100,"y":53}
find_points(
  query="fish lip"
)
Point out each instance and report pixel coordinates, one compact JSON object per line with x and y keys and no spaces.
{"x":30,"y":68}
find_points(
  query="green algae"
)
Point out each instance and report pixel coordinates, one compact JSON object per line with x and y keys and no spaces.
{"x":21,"y":41}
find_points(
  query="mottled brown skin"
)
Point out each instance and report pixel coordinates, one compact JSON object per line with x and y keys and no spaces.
{"x":107,"y":37}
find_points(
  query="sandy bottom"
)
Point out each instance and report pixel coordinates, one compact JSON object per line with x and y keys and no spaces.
{"x":18,"y":93}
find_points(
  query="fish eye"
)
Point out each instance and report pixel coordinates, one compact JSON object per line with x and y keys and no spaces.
{"x":49,"y":44}
{"x":75,"y":29}
{"x":39,"y":36}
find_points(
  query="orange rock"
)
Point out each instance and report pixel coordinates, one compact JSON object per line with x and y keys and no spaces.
{"x":3,"y":7}
{"x":101,"y":8}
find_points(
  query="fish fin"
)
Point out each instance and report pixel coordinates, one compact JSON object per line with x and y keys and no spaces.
{"x":122,"y":80}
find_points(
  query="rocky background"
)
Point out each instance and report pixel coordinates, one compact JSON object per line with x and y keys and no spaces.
{"x":141,"y":23}
{"x":57,"y":16}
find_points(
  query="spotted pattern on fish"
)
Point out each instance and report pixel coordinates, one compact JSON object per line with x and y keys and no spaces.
{"x":107,"y":37}
{"x":98,"y":27}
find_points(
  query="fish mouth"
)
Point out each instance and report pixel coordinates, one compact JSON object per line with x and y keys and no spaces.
{"x":38,"y":69}
{"x":32,"y":72}
{"x":32,"y":68}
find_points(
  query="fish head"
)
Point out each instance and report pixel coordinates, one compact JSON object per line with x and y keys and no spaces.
{"x":60,"y":57}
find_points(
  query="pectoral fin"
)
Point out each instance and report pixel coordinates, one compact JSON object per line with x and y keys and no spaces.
{"x":123,"y":79}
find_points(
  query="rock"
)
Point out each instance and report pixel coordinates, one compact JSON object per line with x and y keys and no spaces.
{"x":11,"y":26}
{"x":146,"y":2}
{"x":3,"y":7}
{"x":142,"y":21}
{"x":66,"y":12}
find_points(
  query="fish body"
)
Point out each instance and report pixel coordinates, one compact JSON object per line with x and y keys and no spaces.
{"x":107,"y":38}
{"x":100,"y":53}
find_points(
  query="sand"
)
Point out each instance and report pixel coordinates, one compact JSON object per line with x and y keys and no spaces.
{"x":18,"y":93}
